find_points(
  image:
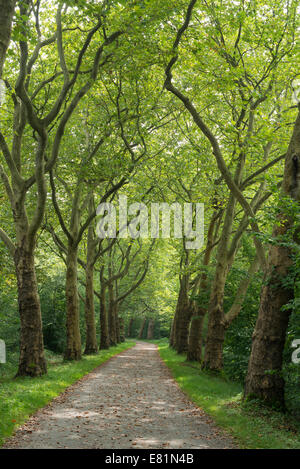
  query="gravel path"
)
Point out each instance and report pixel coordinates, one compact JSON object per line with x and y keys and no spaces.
{"x":131,"y":401}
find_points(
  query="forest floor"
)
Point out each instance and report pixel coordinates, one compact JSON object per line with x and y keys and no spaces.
{"x":131,"y":401}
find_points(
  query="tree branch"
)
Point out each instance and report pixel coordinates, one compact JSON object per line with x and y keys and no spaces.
{"x":212,"y":139}
{"x":8,"y":242}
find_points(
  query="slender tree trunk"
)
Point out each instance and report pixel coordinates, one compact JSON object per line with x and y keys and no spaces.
{"x":104,"y":333}
{"x":173,"y":332}
{"x":213,"y":356}
{"x":91,"y":338}
{"x":130,"y":326}
{"x":183,"y":312}
{"x":6,"y":16}
{"x":150,"y":331}
{"x":112,"y":326}
{"x":196,"y":328}
{"x":141,"y":331}
{"x":32,"y":360}
{"x":183,"y":316}
{"x":223,"y":321}
{"x":122,"y":330}
{"x":117,"y":321}
{"x":264,"y":379}
{"x":73,"y":348}
{"x":116,"y":313}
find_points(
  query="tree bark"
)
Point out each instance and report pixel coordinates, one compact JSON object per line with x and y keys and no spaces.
{"x":122,"y":330}
{"x":184,"y":313}
{"x":141,"y":331}
{"x":104,"y":333}
{"x":7,"y":8}
{"x":150,"y":331}
{"x":216,"y":335}
{"x":264,"y":378}
{"x":91,"y":346}
{"x":173,"y":332}
{"x":117,"y":321}
{"x":213,"y":356}
{"x":196,"y":328}
{"x":195,"y":336}
{"x":112,"y":326}
{"x":130,"y":326}
{"x":91,"y":338}
{"x":73,"y":348}
{"x":32,"y":360}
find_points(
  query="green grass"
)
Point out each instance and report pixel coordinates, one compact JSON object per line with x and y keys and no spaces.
{"x":21,"y":397}
{"x":251,"y":424}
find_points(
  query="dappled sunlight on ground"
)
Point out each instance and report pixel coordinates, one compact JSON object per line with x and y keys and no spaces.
{"x":129,"y":402}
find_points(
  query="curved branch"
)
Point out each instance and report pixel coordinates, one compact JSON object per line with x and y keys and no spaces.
{"x":41,"y":188}
{"x":57,"y":209}
{"x":214,"y":144}
{"x":8,"y":242}
{"x":241,"y":293}
{"x":250,"y":179}
{"x":10,"y":162}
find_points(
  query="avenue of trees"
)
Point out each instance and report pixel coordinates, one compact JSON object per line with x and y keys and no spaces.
{"x":166,"y":102}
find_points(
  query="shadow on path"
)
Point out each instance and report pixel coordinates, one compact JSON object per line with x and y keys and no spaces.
{"x":129,"y":402}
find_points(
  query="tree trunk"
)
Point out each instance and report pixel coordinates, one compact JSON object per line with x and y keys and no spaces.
{"x":183,"y":316}
{"x":6,"y":16}
{"x":173,"y":332}
{"x":213,"y":356}
{"x":117,"y":321}
{"x":73,"y":348}
{"x":196,"y":328}
{"x":264,"y":379}
{"x":195,"y":336}
{"x":32,"y":360}
{"x":112,"y":326}
{"x":122,"y":330}
{"x":150,"y":331}
{"x":182,"y":327}
{"x":91,"y":338}
{"x":104,"y":333}
{"x":141,"y":331}
{"x":215,"y":344}
{"x":130,"y":326}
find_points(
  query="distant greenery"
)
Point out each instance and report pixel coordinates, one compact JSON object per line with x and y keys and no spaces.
{"x":251,"y":425}
{"x":21,"y":397}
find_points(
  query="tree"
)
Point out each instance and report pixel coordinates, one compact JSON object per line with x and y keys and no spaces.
{"x":264,"y":379}
{"x":18,"y":181}
{"x":245,"y":113}
{"x":194,"y":352}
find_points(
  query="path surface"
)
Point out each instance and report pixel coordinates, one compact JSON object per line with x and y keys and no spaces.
{"x":129,"y":402}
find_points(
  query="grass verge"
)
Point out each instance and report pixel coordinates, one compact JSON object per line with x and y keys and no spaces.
{"x":21,"y":397}
{"x":252,"y":425}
